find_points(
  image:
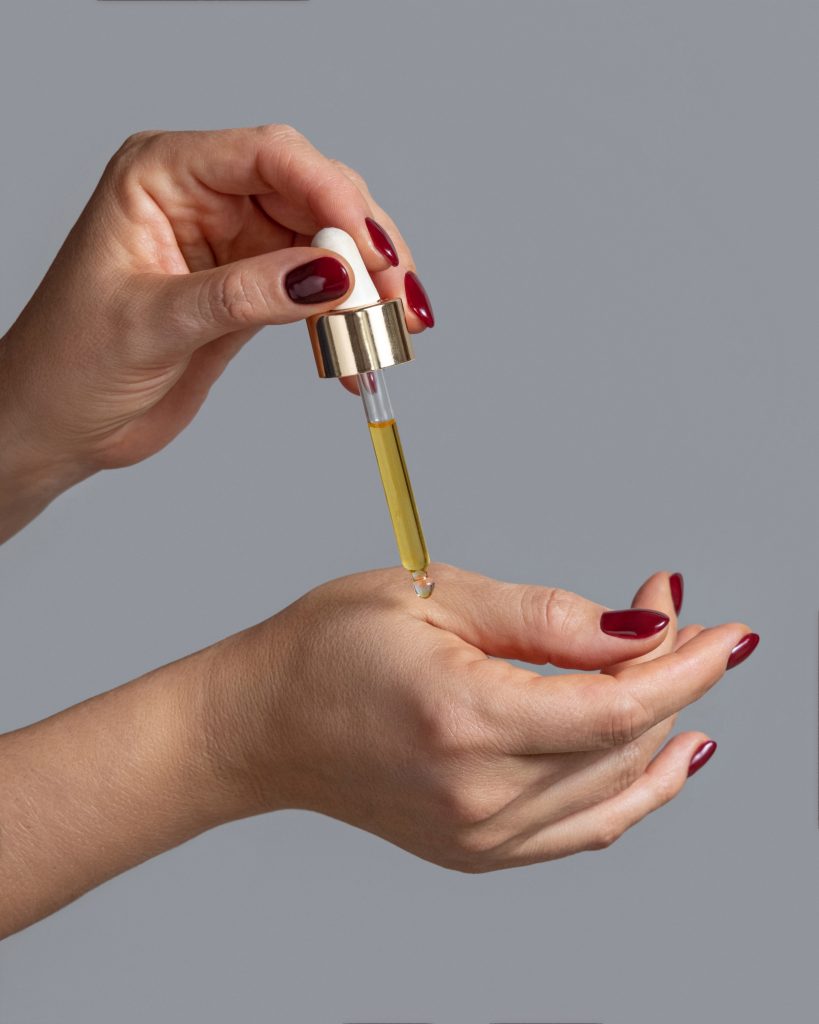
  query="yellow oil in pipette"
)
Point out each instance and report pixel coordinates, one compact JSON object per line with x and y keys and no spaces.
{"x":412,"y":548}
{"x":406,"y":523}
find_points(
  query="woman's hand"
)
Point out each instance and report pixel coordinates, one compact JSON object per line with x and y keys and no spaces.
{"x":402,"y":718}
{"x":397,"y":715}
{"x":191,"y":242}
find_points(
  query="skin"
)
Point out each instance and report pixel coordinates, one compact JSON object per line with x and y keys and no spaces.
{"x":429,"y":738}
{"x":177,"y":261}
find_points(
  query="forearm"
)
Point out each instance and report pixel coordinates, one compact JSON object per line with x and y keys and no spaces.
{"x":103,"y":786}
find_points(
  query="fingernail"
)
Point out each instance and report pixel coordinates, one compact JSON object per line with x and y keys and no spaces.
{"x":633,"y":623}
{"x":677,"y":585}
{"x":319,"y":280}
{"x":744,"y":649}
{"x":702,"y":755}
{"x":382,"y":241}
{"x":418,"y":299}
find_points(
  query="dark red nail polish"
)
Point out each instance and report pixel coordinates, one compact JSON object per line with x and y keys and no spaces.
{"x":702,"y":755}
{"x":633,"y":623}
{"x":744,"y":649}
{"x":418,"y":299}
{"x":319,"y":280}
{"x":677,"y":585}
{"x":382,"y":241}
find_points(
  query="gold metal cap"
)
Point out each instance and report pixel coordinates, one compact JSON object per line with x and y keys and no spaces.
{"x":350,"y":341}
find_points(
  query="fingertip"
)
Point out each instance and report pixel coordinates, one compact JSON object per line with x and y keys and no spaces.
{"x":381,"y":242}
{"x":675,"y":758}
{"x":647,"y":586}
{"x":701,"y":755}
{"x":318,"y":277}
{"x":418,"y":299}
{"x":743,"y":649}
{"x":737,"y":634}
{"x":634,"y":623}
{"x":330,"y":254}
{"x":676,"y":585}
{"x":391,"y":285}
{"x":658,"y":591}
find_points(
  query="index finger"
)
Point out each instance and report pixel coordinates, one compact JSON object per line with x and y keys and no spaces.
{"x":273,"y":160}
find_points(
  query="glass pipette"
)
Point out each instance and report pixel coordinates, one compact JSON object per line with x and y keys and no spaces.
{"x":389,"y":454}
{"x":358,"y":338}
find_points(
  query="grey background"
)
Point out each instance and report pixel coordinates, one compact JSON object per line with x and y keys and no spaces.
{"x":613,"y":207}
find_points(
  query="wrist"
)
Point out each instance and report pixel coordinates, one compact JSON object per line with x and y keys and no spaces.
{"x":28,"y":483}
{"x":32,"y":473}
{"x":202,"y":761}
{"x":239,"y":724}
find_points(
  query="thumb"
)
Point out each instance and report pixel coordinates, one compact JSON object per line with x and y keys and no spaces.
{"x":190,"y":310}
{"x":541,"y":624}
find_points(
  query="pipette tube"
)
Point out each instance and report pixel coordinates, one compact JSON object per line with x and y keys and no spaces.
{"x":406,"y":523}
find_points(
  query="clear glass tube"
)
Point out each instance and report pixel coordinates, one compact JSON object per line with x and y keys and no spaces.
{"x":376,"y":397}
{"x":389,"y":454}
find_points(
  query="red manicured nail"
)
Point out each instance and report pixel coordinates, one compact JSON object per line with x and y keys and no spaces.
{"x":702,"y":755}
{"x":418,"y":299}
{"x":319,"y":280}
{"x":381,"y":240}
{"x":677,"y":585}
{"x":633,"y":623}
{"x":744,"y":649}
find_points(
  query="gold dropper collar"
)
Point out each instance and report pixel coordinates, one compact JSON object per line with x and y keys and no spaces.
{"x":350,"y":341}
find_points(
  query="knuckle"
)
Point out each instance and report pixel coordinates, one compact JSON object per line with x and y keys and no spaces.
{"x":139,"y":141}
{"x":474,"y":850}
{"x":469,"y":807}
{"x":232,"y":297}
{"x":627,"y":719}
{"x":555,"y":607}
{"x":332,"y":180}
{"x":606,"y":834}
{"x":119,"y":172}
{"x":470,"y":796}
{"x":451,"y":727}
{"x":351,"y":173}
{"x":440,"y":728}
{"x":631,"y":765}
{"x":281,"y":133}
{"x":666,"y":788}
{"x":476,"y":842}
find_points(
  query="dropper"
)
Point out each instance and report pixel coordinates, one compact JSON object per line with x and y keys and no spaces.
{"x":359,"y":338}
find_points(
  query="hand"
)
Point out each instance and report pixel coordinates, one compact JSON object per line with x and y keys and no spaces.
{"x":400,"y":716}
{"x":191,"y":242}
{"x":396,"y":715}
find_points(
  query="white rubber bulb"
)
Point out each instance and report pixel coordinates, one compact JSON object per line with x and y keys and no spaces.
{"x":364,"y":293}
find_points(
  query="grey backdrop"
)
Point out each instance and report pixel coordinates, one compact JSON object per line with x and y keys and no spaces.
{"x":613,"y":207}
